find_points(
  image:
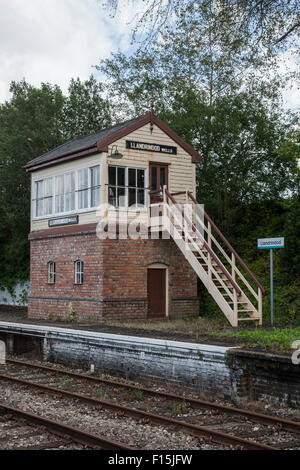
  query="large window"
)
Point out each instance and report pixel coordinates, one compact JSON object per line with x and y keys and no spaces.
{"x":89,"y":187}
{"x":116,"y":186}
{"x":95,"y":185}
{"x":44,"y":197}
{"x":83,"y":188}
{"x":136,"y":187}
{"x":65,"y":193}
{"x":57,"y":195}
{"x":126,"y":186}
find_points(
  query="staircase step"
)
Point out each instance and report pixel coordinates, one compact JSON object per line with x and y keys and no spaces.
{"x":221,"y":287}
{"x":239,"y":302}
{"x":223,"y":279}
{"x":249,"y":319}
{"x":218,"y":270}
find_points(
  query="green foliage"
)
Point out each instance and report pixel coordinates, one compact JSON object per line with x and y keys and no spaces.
{"x":138,"y":394}
{"x":32,"y":122}
{"x":85,"y":109}
{"x":259,"y":220}
{"x":290,"y":256}
{"x":28,"y":128}
{"x":281,"y":339}
{"x":214,"y":98}
{"x":249,"y":24}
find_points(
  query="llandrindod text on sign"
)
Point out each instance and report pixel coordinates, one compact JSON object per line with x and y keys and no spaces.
{"x":132,"y":145}
{"x":270,"y":243}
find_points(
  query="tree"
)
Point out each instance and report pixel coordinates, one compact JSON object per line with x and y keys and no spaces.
{"x":85,"y":109}
{"x":290,"y":256}
{"x":30,"y":125}
{"x":34,"y":121}
{"x":267,"y":22}
{"x":237,"y":138}
{"x":191,"y":55}
{"x":233,"y":119}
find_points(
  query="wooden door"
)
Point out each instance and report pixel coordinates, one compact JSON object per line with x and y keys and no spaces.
{"x":158,"y":179}
{"x":156,"y":293}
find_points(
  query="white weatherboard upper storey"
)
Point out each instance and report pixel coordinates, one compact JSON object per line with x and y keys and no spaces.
{"x":181,"y":177}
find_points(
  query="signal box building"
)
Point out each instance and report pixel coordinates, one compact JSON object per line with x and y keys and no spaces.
{"x":110,"y":239}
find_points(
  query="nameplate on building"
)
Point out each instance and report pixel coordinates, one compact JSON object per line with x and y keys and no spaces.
{"x":144,"y":146}
{"x":72,"y":220}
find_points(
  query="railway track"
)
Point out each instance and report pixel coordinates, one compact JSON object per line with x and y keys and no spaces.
{"x":38,"y":433}
{"x":63,"y":382}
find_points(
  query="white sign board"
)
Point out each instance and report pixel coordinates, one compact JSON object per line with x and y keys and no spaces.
{"x":269,"y":243}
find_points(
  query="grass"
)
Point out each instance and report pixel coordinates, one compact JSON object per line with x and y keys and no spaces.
{"x":192,"y":326}
{"x":274,"y":339}
{"x":210,"y":329}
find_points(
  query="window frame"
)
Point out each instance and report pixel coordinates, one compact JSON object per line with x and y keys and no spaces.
{"x":51,"y":274}
{"x":127,"y":187}
{"x":76,"y":210}
{"x":64,"y":193}
{"x":79,"y":272}
{"x":43,"y":198}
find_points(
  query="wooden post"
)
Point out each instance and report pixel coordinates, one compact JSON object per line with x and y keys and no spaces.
{"x":233,"y":266}
{"x":260,"y":306}
{"x":235,"y":308}
{"x":164,"y":211}
{"x":208,"y":254}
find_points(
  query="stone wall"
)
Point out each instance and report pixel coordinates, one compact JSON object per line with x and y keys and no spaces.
{"x":212,"y":371}
{"x":266,"y":377}
{"x":184,"y":365}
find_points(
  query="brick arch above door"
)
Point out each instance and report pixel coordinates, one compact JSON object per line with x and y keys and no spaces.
{"x":158,"y":264}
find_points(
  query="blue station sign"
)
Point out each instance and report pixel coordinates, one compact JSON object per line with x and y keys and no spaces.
{"x":270,"y":243}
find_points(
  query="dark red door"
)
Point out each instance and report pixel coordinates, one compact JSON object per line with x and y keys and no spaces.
{"x":158,"y":179}
{"x":156,"y":293}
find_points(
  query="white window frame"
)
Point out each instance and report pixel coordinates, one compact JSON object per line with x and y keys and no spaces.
{"x":64,"y":194}
{"x":75,"y":210}
{"x":89,"y":188}
{"x":78,"y":271}
{"x":127,"y":168}
{"x":36,"y":199}
{"x":51,"y":272}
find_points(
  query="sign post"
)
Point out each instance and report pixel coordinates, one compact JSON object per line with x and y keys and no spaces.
{"x":270,"y":244}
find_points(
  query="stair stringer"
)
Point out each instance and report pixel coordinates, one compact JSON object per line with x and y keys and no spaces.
{"x":201,"y":273}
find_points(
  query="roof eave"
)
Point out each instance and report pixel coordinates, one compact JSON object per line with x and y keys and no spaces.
{"x":62,"y":158}
{"x":102,"y":145}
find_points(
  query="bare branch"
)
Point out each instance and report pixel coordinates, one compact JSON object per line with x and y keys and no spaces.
{"x":282,"y":38}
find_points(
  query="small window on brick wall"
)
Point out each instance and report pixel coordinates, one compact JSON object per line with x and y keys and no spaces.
{"x":51,"y":272}
{"x":78,"y":272}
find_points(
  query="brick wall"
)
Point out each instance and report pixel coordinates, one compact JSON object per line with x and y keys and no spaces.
{"x":265,"y":377}
{"x":115,"y":278}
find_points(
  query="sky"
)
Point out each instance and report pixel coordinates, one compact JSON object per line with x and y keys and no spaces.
{"x":56,"y":40}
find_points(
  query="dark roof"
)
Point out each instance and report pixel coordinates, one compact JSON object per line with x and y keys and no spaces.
{"x":99,"y":141}
{"x":79,"y":144}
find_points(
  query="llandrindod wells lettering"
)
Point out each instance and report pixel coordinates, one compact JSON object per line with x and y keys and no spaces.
{"x":132,"y":145}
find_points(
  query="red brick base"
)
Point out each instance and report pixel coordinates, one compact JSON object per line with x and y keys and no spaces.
{"x":115,"y":278}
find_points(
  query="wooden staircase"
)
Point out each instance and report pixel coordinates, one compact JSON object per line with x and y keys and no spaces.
{"x":213,"y":259}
